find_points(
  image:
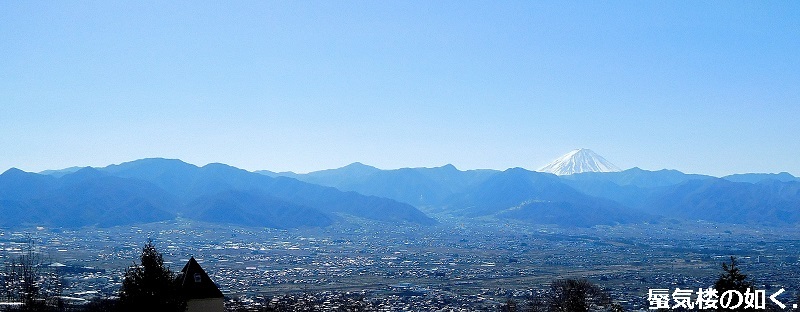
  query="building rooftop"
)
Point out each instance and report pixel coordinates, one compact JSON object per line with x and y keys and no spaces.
{"x":195,"y":283}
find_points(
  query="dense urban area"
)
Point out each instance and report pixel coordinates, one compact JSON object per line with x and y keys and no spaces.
{"x":454,"y":265}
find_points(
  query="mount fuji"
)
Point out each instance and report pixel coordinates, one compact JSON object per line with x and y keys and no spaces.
{"x":578,"y":161}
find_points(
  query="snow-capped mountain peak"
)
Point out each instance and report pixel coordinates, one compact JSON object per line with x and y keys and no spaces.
{"x":577,"y":161}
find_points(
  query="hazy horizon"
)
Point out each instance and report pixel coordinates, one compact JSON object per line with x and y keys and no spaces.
{"x":366,"y":164}
{"x":705,"y":88}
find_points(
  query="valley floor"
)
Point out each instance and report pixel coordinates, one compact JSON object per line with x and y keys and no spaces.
{"x":455,"y":264}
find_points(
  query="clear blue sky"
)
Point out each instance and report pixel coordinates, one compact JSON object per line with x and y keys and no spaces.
{"x":702,"y":87}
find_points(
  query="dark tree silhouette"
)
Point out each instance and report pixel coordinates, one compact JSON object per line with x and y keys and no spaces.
{"x":570,"y":295}
{"x":149,"y":286}
{"x":509,"y":306}
{"x":28,"y":280}
{"x":733,"y":279}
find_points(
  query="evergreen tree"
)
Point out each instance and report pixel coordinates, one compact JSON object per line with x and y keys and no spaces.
{"x":733,"y":279}
{"x":149,"y":286}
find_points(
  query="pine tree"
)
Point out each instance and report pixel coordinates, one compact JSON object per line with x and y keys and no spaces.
{"x":732,"y":279}
{"x":149,"y":286}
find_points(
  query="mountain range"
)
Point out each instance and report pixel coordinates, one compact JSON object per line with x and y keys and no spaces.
{"x":581,"y":199}
{"x":157,"y":189}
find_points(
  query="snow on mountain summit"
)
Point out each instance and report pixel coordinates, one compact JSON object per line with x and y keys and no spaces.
{"x":577,"y":161}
